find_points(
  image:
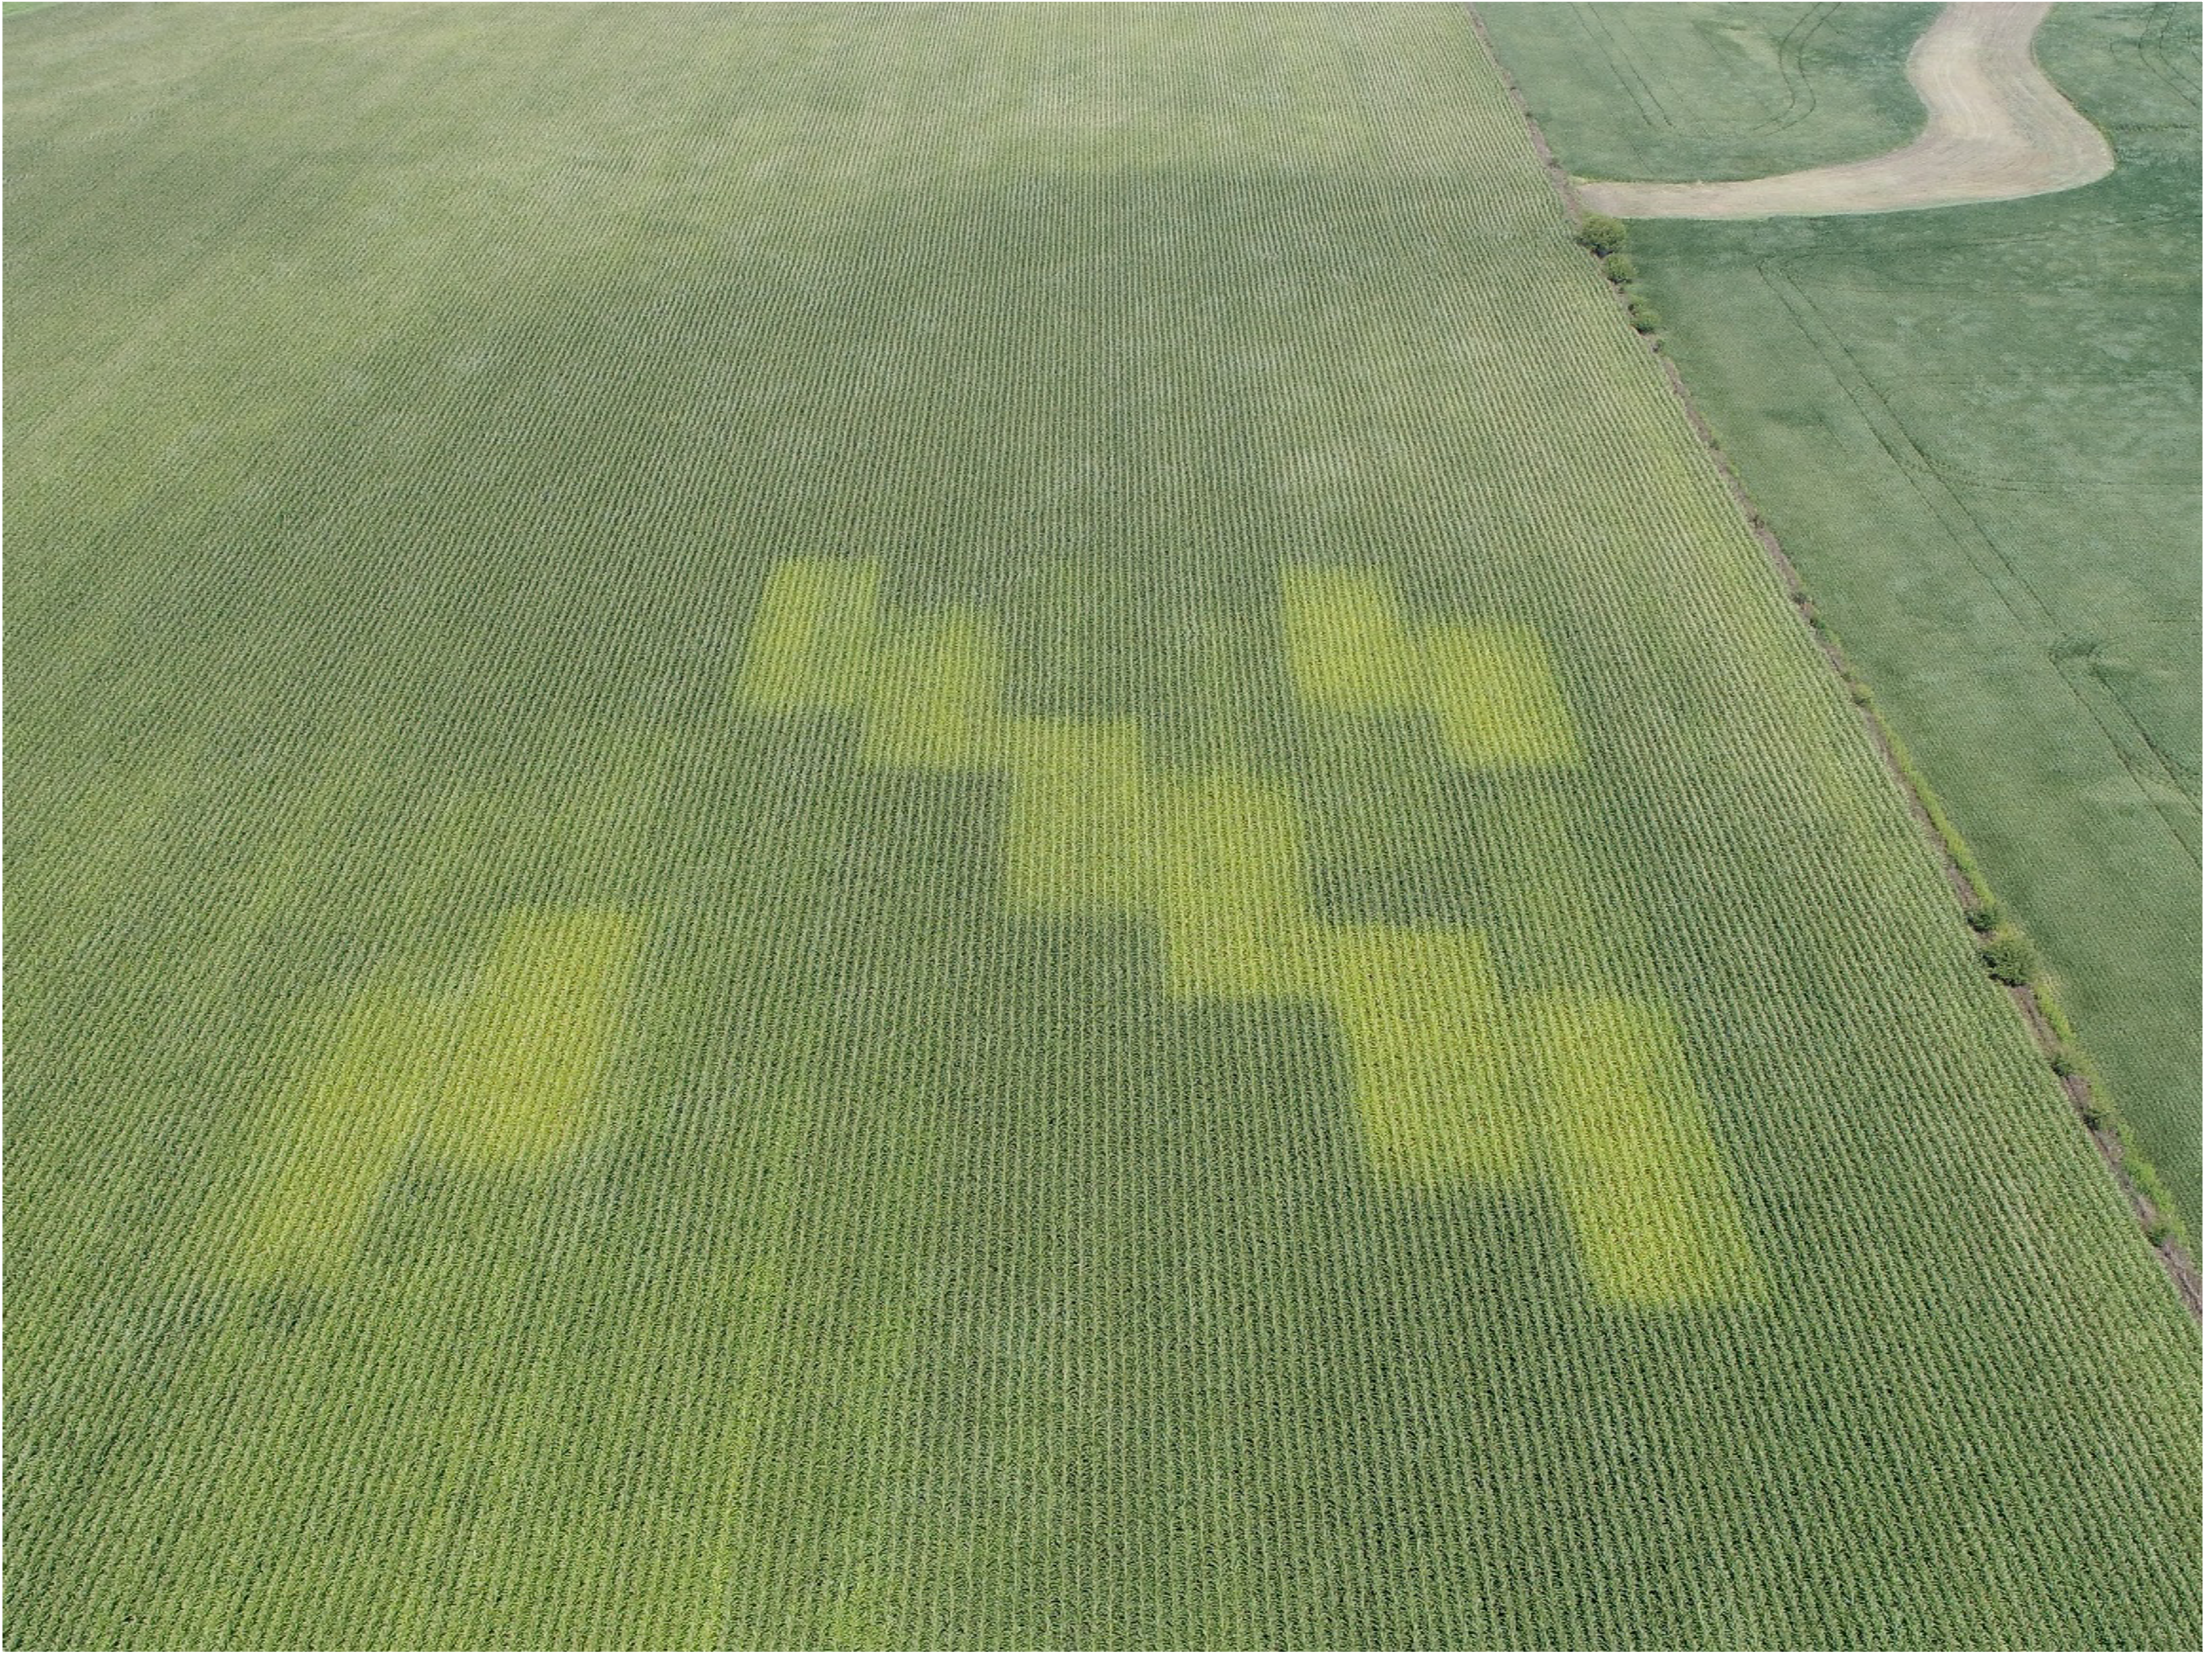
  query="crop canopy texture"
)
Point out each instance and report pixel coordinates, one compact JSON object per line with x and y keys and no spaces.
{"x":949,"y":827}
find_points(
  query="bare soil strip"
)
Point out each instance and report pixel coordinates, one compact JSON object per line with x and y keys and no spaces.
{"x":1997,"y":130}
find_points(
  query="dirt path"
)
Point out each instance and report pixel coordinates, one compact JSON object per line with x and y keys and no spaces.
{"x":1997,"y":130}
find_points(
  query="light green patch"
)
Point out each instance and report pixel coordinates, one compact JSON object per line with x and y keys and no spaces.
{"x":861,"y":1607}
{"x":533,"y":1035}
{"x":1496,"y":699}
{"x":1080,"y":833}
{"x":499,"y":1072}
{"x":1652,"y":1209}
{"x":1345,"y":642}
{"x":811,"y":643}
{"x":1233,"y":893}
{"x":935,"y":694}
{"x":1490,"y":687}
{"x":1437,"y":1093}
{"x":338,"y":1135}
{"x":1442,"y":1073}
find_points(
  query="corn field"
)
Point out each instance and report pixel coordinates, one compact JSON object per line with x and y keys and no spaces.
{"x":967,"y":826}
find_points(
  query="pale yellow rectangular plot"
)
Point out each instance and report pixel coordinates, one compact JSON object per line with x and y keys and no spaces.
{"x":935,"y":699}
{"x":533,"y":1036}
{"x":811,"y":641}
{"x":1233,"y":893}
{"x":1495,"y":697}
{"x":1081,"y":829}
{"x":337,"y":1136}
{"x":1438,"y":1093}
{"x":1345,"y":641}
{"x":1647,"y":1195}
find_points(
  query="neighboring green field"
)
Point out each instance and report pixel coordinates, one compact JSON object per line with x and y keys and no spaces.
{"x":1976,"y":431}
{"x":967,"y":827}
{"x":1700,"y":92}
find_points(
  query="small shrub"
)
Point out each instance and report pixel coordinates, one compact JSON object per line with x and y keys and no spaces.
{"x":1643,"y":316}
{"x":2150,"y":1185}
{"x":1984,"y":917}
{"x":1603,"y":235}
{"x":2062,"y":1064}
{"x":1621,"y":269}
{"x":2010,"y":959}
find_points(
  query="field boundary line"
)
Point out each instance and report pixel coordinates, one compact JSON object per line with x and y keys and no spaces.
{"x":2041,"y":1015}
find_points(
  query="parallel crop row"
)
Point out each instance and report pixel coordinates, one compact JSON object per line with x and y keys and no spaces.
{"x":874,"y":826}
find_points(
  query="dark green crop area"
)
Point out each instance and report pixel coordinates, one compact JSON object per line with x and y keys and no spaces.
{"x":1976,"y":431}
{"x":968,"y":826}
{"x":1687,"y":92}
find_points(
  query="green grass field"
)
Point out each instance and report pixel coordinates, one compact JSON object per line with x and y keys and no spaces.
{"x":843,"y":826}
{"x":1975,"y":430}
{"x":1685,"y":92}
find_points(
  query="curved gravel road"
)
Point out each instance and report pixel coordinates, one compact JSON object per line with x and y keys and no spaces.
{"x":1997,"y":130}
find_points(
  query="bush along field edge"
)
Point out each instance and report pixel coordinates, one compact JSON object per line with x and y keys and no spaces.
{"x":2007,"y":954}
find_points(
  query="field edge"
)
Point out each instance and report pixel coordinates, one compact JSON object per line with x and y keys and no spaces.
{"x":2062,"y":1051}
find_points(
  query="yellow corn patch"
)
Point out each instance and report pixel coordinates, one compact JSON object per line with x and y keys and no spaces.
{"x":533,"y":1036}
{"x":1637,"y":1166}
{"x":500,"y":1072}
{"x":340,"y":1134}
{"x":811,"y":643}
{"x":1080,"y":831}
{"x":1450,"y":1083}
{"x":1234,"y":893}
{"x":935,"y":689}
{"x":1490,"y":688}
{"x":1494,"y":695}
{"x":1437,"y":1093}
{"x":1345,"y":641}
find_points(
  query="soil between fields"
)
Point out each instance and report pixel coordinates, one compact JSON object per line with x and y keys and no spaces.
{"x":1997,"y":130}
